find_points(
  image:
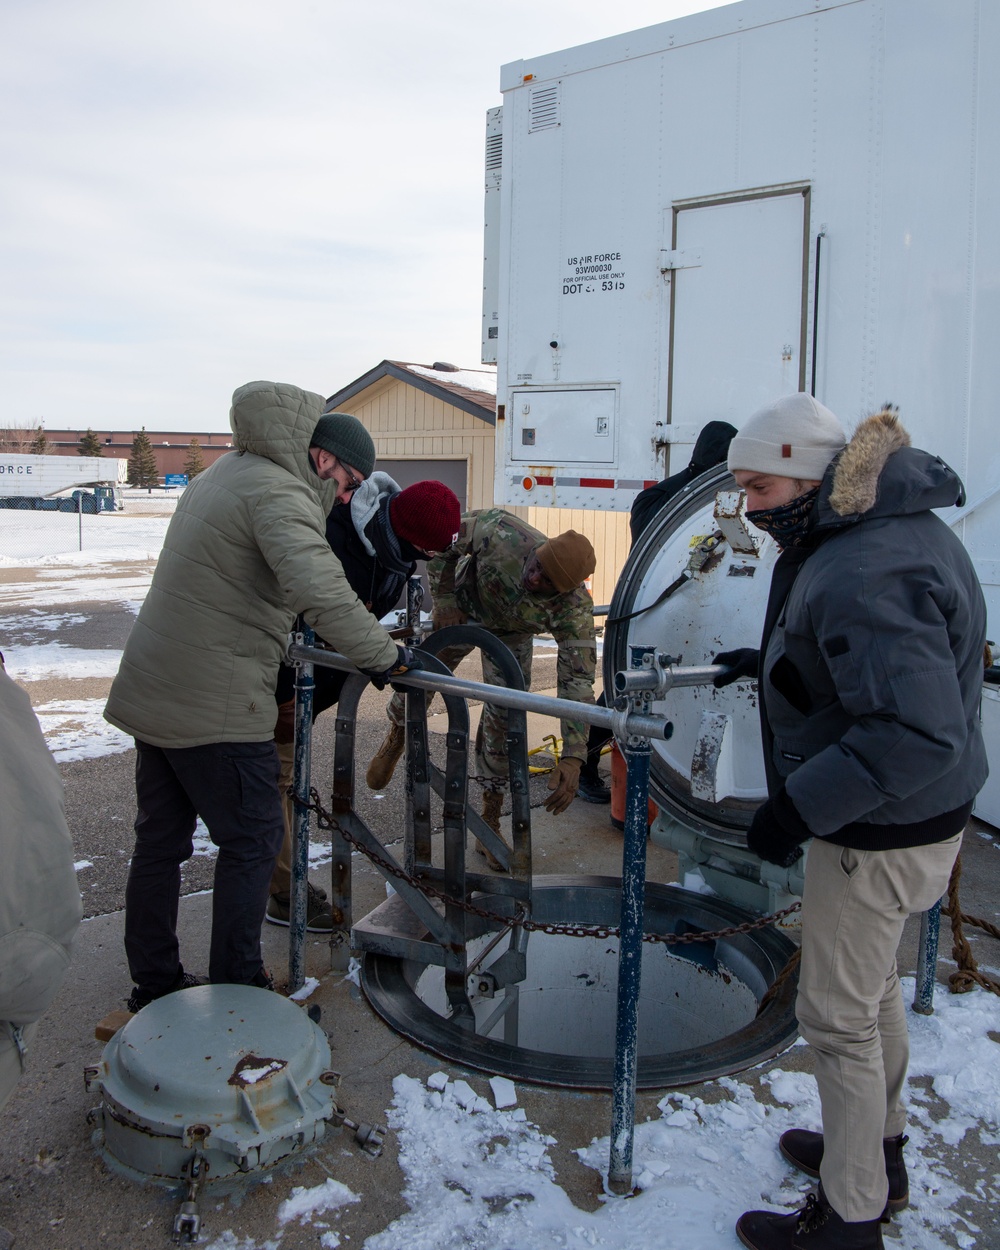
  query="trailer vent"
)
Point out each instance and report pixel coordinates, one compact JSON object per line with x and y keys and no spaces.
{"x":543,"y":108}
{"x":494,"y":151}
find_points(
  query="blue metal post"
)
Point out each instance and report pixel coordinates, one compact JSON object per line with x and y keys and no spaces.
{"x":927,"y":957}
{"x":298,"y":907}
{"x":637,"y":755}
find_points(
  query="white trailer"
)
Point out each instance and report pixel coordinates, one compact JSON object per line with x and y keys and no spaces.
{"x":686,"y":221}
{"x":24,"y":479}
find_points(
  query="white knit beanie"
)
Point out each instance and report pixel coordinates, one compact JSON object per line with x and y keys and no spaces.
{"x":792,"y":437}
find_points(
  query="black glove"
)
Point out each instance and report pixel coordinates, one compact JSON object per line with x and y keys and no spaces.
{"x":742,"y":663}
{"x":778,"y":831}
{"x":407,"y":660}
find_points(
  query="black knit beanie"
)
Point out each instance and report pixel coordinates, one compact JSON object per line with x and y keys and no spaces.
{"x":346,"y":438}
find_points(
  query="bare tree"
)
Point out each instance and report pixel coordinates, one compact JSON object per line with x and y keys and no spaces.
{"x":18,"y":440}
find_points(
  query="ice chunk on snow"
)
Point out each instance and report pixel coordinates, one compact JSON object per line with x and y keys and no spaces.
{"x":504,"y":1093}
{"x":306,"y":1201}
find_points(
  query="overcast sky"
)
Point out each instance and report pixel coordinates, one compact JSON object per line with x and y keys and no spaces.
{"x":198,"y":193}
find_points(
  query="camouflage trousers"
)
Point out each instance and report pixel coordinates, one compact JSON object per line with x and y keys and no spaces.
{"x":491,"y":739}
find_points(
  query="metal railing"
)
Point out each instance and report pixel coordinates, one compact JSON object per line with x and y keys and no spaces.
{"x":651,"y":676}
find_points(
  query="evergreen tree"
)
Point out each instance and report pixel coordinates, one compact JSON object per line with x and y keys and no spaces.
{"x":90,"y":444}
{"x":142,"y":462}
{"x":40,"y":445}
{"x":195,"y":462}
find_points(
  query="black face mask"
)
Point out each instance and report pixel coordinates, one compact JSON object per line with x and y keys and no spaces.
{"x":789,"y":524}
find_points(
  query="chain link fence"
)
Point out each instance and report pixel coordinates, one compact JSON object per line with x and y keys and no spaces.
{"x":133,"y":529}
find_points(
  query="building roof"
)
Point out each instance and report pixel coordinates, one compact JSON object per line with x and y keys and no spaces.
{"x":472,"y":390}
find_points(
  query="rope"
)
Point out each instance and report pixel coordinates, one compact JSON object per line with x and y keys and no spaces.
{"x":967,"y":975}
{"x":790,"y":969}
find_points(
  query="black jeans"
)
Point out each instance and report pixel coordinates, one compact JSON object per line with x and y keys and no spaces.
{"x":233,"y":787}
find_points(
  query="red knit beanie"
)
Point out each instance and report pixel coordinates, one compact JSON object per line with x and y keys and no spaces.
{"x":427,"y":515}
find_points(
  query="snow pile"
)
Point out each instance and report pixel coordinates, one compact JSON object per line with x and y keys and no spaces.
{"x":484,"y":1179}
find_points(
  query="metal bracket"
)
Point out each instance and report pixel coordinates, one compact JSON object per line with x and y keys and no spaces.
{"x":679,"y":258}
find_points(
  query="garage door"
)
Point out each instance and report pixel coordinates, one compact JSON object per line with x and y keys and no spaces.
{"x":453,"y":473}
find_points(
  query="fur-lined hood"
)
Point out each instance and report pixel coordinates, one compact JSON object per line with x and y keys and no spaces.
{"x":880,"y":474}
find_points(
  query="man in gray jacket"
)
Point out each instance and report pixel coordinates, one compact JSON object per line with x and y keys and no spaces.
{"x":870,"y":674}
{"x":245,"y":552}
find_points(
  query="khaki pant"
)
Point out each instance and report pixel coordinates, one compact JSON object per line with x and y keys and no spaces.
{"x":491,"y":741}
{"x":281,"y":878}
{"x":850,"y":1006}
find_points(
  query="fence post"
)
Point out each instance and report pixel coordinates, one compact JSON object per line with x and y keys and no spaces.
{"x":637,"y":755}
{"x":79,"y":517}
{"x":299,"y":896}
{"x":927,"y":957}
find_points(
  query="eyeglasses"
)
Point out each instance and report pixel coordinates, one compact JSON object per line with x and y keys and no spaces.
{"x":352,"y":482}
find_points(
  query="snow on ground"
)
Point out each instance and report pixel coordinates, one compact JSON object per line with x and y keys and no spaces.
{"x":75,"y":729}
{"x":478,"y":1178}
{"x":42,"y":660}
{"x":36,"y":538}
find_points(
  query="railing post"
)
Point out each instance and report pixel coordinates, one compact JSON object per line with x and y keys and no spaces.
{"x":298,"y":904}
{"x":927,"y":957}
{"x":637,"y":755}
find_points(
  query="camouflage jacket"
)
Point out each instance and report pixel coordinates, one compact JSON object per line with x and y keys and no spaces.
{"x":480,"y":574}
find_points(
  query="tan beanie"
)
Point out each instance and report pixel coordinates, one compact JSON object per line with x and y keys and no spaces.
{"x":792,"y":437}
{"x":568,"y":559}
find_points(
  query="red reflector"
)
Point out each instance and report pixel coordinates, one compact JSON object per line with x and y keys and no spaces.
{"x":608,"y":482}
{"x":545,"y":481}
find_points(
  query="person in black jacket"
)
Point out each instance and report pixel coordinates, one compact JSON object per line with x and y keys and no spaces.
{"x":869,"y":678}
{"x":378,"y":538}
{"x":711,"y":449}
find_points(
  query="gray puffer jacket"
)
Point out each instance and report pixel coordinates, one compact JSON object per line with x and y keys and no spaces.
{"x":39,"y":897}
{"x":245,"y":552}
{"x":873,"y":653}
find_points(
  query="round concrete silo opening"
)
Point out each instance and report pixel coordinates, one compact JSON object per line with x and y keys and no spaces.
{"x":700,"y":1013}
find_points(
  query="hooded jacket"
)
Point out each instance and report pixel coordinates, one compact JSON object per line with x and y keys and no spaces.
{"x":245,"y":552}
{"x":39,"y":896}
{"x":872,"y":665}
{"x":711,"y":449}
{"x":375,"y":564}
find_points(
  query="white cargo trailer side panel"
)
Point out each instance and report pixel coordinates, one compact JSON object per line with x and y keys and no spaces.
{"x":43,"y":476}
{"x":764,"y":197}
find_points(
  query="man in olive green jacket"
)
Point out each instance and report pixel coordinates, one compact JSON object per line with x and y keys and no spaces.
{"x":245,"y":552}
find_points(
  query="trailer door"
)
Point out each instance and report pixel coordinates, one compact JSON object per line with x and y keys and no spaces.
{"x":739,"y":271}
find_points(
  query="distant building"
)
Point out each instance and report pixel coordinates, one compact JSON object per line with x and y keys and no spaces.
{"x":169,"y":446}
{"x":439,"y":421}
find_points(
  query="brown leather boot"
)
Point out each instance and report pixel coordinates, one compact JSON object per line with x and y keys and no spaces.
{"x":804,"y":1149}
{"x":386,"y":758}
{"x":492,"y":803}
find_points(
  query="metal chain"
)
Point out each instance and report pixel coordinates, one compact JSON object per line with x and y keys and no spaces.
{"x":326,"y":820}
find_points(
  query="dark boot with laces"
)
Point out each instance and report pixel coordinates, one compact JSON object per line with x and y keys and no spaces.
{"x":140,"y":998}
{"x":804,"y":1150}
{"x":815,"y":1227}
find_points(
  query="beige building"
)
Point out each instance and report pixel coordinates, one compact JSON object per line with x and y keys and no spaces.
{"x":439,"y":421}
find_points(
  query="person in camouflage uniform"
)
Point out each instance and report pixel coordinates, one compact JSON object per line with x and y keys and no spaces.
{"x":509,"y":577}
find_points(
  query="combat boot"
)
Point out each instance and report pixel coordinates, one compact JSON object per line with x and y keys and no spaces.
{"x":386,"y":758}
{"x":815,"y":1227}
{"x":492,"y":803}
{"x":804,"y":1150}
